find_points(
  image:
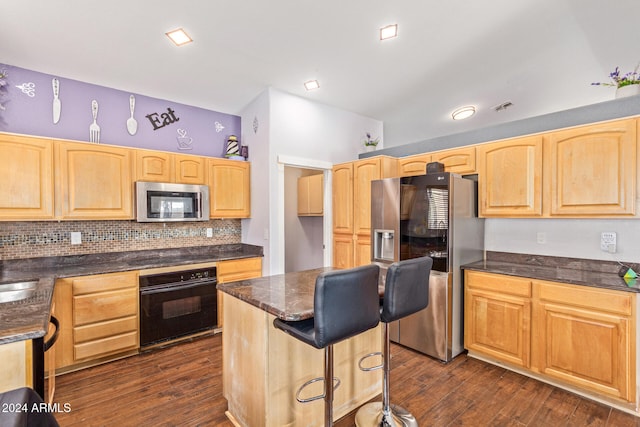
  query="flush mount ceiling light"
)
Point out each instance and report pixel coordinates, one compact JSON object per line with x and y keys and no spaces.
{"x":311,"y":85}
{"x":464,"y":112}
{"x":389,"y":32}
{"x":179,"y":37}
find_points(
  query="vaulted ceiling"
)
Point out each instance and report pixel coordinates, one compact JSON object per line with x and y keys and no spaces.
{"x":540,"y":55}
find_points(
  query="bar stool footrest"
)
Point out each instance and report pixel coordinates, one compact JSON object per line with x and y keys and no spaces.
{"x":372,"y":368}
{"x":336,"y":384}
{"x":372,"y":415}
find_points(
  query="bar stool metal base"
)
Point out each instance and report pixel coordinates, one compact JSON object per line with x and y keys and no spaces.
{"x":371,"y":415}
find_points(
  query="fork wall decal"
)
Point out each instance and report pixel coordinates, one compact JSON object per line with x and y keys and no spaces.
{"x":94,"y":129}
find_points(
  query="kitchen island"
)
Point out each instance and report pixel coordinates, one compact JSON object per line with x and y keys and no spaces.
{"x":263,"y":367}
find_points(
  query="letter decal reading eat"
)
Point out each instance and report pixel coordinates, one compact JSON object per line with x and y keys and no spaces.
{"x":159,"y":121}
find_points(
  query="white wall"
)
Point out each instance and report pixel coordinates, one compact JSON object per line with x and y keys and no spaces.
{"x":300,"y":128}
{"x":573,"y":238}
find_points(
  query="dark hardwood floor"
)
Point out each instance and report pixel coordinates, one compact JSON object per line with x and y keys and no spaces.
{"x":182,"y":386}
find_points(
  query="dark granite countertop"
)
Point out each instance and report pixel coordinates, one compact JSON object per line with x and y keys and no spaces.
{"x":29,"y":318}
{"x":287,"y":296}
{"x":595,"y":273}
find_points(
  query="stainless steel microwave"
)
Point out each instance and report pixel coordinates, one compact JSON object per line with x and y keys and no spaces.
{"x":168,"y":202}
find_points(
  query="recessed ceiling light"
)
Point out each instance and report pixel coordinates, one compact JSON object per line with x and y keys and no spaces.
{"x":311,"y":85}
{"x":179,"y":37}
{"x":463,"y":112}
{"x":389,"y":32}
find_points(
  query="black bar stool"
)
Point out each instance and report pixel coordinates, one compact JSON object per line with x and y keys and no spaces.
{"x":406,"y":291}
{"x":345,"y":304}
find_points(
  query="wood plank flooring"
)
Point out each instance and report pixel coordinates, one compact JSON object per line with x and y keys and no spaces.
{"x":182,"y":386}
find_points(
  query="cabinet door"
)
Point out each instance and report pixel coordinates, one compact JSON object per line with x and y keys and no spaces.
{"x":413,"y":165}
{"x":26,"y":174}
{"x":155,"y":166}
{"x":94,"y":181}
{"x":343,"y":198}
{"x":343,"y":250}
{"x":364,"y":171}
{"x":190,"y":169}
{"x":586,"y":337}
{"x":230,"y":191}
{"x":510,"y":178}
{"x":316,"y":195}
{"x":459,"y":160}
{"x":363,"y":251}
{"x":497,"y":317}
{"x":592,"y":170}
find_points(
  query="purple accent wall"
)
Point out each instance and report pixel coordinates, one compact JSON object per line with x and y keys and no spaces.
{"x":198,"y":131}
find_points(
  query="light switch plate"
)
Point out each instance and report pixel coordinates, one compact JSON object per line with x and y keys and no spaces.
{"x":608,"y":241}
{"x":76,"y":237}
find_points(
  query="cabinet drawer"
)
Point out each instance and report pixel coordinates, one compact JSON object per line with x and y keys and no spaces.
{"x":105,"y":329}
{"x":229,"y":271}
{"x":105,"y":346}
{"x":580,"y":296}
{"x":104,"y":306}
{"x":104,"y":282}
{"x":498,"y":283}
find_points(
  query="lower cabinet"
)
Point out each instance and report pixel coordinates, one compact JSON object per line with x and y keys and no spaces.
{"x":581,"y":336}
{"x":233,"y":270}
{"x":98,"y":317}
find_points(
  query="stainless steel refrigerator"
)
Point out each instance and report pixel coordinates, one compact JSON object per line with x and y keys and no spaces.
{"x":429,"y":215}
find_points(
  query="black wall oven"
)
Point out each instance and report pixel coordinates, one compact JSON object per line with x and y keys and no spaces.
{"x":175,"y":304}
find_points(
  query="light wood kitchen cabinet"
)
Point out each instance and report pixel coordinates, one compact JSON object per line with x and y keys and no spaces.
{"x":413,"y":165}
{"x":93,"y":181}
{"x":592,"y":170}
{"x":458,"y":160}
{"x":26,"y":174}
{"x":311,"y":195}
{"x":155,"y":166}
{"x":230,"y":185}
{"x":352,"y":207}
{"x":497,"y":316}
{"x":190,"y":169}
{"x":586,"y":337}
{"x":98,"y":317}
{"x":579,"y":336}
{"x":233,"y":270}
{"x":510,"y":178}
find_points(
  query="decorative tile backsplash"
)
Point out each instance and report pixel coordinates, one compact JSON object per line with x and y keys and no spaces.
{"x":20,"y":240}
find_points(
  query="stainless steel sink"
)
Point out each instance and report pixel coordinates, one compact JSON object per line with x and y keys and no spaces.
{"x":17,"y":291}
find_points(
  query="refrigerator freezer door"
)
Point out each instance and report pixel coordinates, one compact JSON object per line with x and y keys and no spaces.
{"x":426,"y":330}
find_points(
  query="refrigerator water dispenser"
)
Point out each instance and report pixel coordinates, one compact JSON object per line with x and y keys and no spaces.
{"x":383,"y":244}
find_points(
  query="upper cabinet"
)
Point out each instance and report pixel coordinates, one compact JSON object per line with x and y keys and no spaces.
{"x":365,"y":171}
{"x":343,"y":198}
{"x":190,"y":169}
{"x":310,"y":195}
{"x":93,"y":181}
{"x":156,"y":166}
{"x":510,"y":178}
{"x":413,"y":165}
{"x":26,"y":174}
{"x":591,"y":170}
{"x":229,"y":182}
{"x":458,"y":160}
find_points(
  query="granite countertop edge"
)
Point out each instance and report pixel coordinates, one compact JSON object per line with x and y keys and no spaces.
{"x":29,"y":319}
{"x":573,"y":271}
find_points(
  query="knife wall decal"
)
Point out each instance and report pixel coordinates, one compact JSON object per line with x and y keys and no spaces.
{"x":56,"y":100}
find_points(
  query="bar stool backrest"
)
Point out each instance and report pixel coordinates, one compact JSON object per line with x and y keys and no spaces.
{"x":346,"y":303}
{"x":406,"y":288}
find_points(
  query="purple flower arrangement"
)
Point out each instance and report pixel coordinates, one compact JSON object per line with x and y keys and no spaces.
{"x":371,"y":142}
{"x":631,"y":78}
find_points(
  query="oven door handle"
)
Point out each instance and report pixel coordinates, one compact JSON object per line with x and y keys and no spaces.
{"x":158,"y":289}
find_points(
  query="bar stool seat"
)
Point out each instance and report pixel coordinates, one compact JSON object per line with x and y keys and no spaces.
{"x":406,"y":292}
{"x":346,"y":303}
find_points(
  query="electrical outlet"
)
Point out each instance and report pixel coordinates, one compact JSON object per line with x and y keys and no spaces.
{"x":608,"y":241}
{"x":209,"y":232}
{"x":76,"y":237}
{"x":541,"y":237}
